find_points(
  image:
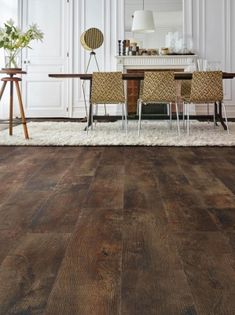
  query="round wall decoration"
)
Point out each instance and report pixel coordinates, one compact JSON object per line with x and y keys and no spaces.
{"x":92,"y":39}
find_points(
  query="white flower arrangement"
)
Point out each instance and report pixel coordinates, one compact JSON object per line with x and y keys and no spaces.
{"x":13,"y":40}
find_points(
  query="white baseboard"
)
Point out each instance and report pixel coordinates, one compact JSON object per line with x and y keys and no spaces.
{"x":202,"y":110}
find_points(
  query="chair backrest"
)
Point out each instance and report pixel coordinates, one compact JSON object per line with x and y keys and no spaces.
{"x":107,"y":88}
{"x":207,"y":87}
{"x":159,"y":86}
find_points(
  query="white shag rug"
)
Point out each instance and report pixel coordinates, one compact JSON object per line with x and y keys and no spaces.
{"x":153,"y":133}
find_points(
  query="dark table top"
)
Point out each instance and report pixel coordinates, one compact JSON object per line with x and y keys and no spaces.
{"x":132,"y":76}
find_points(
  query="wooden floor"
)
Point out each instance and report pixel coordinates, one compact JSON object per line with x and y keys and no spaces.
{"x":131,"y":231}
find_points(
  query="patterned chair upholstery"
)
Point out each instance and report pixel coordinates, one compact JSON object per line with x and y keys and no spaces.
{"x":206,"y":88}
{"x":108,"y":88}
{"x":159,"y":87}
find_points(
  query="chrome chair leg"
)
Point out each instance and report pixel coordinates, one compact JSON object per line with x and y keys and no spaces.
{"x":123,"y":115}
{"x":140,"y":113}
{"x":214,"y":120}
{"x":188,"y":119}
{"x":137,"y":107}
{"x":168,"y":112}
{"x":92,"y":120}
{"x":96,"y":112}
{"x":208,"y":113}
{"x":105,"y":110}
{"x":225,"y":116}
{"x":184,"y":112}
{"x":126,"y":113}
{"x":170,"y":109}
{"x":88,"y":120}
{"x":177,"y":116}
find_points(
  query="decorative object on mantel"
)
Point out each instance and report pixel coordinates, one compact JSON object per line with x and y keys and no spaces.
{"x":119,"y":47}
{"x":127,"y":48}
{"x":178,"y":43}
{"x":154,"y":133}
{"x":143,"y":21}
{"x":13,"y":40}
{"x":164,"y":51}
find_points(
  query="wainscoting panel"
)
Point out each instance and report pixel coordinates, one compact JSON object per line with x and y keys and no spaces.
{"x":213,"y":31}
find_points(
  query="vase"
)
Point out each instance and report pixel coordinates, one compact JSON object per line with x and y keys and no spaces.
{"x":12,"y":60}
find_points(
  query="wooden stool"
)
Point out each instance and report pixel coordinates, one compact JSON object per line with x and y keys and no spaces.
{"x":12,"y":79}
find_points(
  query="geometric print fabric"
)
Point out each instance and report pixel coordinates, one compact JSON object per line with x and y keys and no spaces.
{"x":159,"y":86}
{"x":107,"y":88}
{"x":207,"y":87}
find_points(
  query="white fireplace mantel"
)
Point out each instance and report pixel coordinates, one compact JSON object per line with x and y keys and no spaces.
{"x":155,"y":62}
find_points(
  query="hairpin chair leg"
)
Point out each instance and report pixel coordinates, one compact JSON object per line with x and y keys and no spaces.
{"x":140,"y":113}
{"x":177,"y":116}
{"x":225,"y":116}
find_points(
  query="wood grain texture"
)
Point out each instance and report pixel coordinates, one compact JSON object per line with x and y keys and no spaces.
{"x":208,"y":262}
{"x":153,"y":281}
{"x":89,"y":278}
{"x":106,"y":190}
{"x":117,"y":230}
{"x":59,"y":213}
{"x":27,"y":274}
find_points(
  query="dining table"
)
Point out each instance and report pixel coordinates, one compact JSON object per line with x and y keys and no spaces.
{"x":139,"y":76}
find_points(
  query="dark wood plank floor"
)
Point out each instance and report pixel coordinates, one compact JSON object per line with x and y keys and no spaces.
{"x":108,"y":231}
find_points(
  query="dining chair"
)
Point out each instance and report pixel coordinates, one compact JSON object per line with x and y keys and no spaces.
{"x":159,"y":87}
{"x":206,"y":88}
{"x":108,"y":88}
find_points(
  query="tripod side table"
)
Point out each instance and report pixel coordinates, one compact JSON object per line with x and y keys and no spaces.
{"x":12,"y":78}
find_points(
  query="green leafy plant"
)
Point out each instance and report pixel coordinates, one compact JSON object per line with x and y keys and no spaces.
{"x":13,"y":40}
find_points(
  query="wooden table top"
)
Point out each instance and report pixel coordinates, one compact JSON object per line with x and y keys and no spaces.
{"x":12,"y":71}
{"x":132,"y":76}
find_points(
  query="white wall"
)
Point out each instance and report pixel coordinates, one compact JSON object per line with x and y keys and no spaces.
{"x":213,"y":33}
{"x":8,"y":9}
